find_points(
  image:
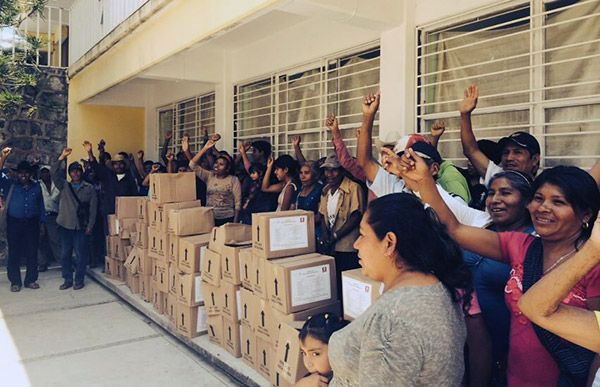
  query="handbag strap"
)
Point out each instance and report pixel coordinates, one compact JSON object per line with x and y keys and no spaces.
{"x":74,"y":194}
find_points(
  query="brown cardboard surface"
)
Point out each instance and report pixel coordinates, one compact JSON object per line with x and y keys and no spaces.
{"x":215,"y":329}
{"x":191,"y":221}
{"x":230,"y":234}
{"x":154,"y":216}
{"x":297,"y":320}
{"x":245,"y":270}
{"x":288,"y":359}
{"x":173,"y":274}
{"x":142,"y":239}
{"x":108,"y":264}
{"x":211,"y":267}
{"x":172,"y":187}
{"x":230,"y":307}
{"x":259,"y":277}
{"x":122,"y":245}
{"x":160,"y":275}
{"x":191,"y":252}
{"x":189,"y":289}
{"x":231,"y":337}
{"x":113,"y":228}
{"x":156,"y":243}
{"x":121,"y":273}
{"x":358,"y":292}
{"x":190,"y":320}
{"x":172,"y":252}
{"x":126,"y":206}
{"x":158,"y":300}
{"x":230,"y":263}
{"x":212,"y":298}
{"x":171,"y":309}
{"x":142,"y":208}
{"x":248,"y":344}
{"x":248,"y":308}
{"x":145,"y":262}
{"x":283,"y":233}
{"x":265,"y":324}
{"x":301,"y":283}
{"x":146,"y":287}
{"x":132,"y":263}
{"x":133,"y":283}
{"x":167,"y":208}
{"x":113,"y":246}
{"x":265,"y":355}
{"x":125,"y":226}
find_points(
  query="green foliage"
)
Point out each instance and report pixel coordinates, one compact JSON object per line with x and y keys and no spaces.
{"x":18,"y":69}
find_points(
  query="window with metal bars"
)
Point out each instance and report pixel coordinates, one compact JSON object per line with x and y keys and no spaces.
{"x":536,"y":66}
{"x":189,"y":117}
{"x":297,"y":101}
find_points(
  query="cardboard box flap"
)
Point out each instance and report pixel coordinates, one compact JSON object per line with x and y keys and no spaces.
{"x":288,"y":359}
{"x":132,"y":263}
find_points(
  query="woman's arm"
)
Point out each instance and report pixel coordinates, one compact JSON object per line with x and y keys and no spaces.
{"x":286,"y":203}
{"x":138,"y":160}
{"x":237,"y":198}
{"x":171,"y":167}
{"x":185,"y":147}
{"x":243,"y":149}
{"x":266,"y":184}
{"x":542,"y":303}
{"x":297,"y":150}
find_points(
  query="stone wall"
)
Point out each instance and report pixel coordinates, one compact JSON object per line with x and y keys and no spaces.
{"x":41,"y":136}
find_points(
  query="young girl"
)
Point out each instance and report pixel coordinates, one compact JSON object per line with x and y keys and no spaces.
{"x":314,"y":341}
{"x":254,"y":199}
{"x":286,"y":171}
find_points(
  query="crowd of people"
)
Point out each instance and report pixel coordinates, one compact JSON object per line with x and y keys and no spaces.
{"x":490,"y":273}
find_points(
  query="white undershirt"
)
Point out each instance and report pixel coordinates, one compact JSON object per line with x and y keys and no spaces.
{"x":332,"y":204}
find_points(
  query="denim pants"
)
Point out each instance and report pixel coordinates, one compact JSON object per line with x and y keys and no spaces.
{"x":77,"y":240}
{"x":23,"y":236}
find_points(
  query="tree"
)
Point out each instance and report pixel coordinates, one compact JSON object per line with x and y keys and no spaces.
{"x":18,"y":69}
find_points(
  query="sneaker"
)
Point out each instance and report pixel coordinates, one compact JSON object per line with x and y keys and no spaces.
{"x":15,"y":288}
{"x":33,"y":285}
{"x":65,"y":285}
{"x":78,"y":286}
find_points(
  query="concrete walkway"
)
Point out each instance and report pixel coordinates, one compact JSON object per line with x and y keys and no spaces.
{"x":88,"y":337}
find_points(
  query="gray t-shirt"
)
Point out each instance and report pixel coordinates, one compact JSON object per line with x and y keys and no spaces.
{"x":411,"y":336}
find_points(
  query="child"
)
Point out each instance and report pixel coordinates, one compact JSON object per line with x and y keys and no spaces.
{"x":254,"y":199}
{"x":314,"y":340}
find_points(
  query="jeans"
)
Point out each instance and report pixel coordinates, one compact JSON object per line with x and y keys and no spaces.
{"x":49,"y":249}
{"x":74,"y":239}
{"x":23,"y":236}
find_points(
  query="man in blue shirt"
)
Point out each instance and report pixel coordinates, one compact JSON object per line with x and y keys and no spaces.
{"x":25,"y":212}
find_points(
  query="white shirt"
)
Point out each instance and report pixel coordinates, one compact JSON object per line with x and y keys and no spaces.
{"x":386,"y":183}
{"x":491,"y":170}
{"x":50,"y":197}
{"x":332,"y":204}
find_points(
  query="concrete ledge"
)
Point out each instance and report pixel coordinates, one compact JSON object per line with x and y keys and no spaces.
{"x":209,"y":352}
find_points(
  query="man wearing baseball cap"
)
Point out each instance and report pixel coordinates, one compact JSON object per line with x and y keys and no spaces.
{"x":519,"y":152}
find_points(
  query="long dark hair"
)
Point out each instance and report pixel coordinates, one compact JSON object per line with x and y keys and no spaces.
{"x":580,"y":190}
{"x":423,"y":244}
{"x":287,"y":161}
{"x":321,"y":326}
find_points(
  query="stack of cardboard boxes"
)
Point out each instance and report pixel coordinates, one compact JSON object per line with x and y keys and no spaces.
{"x":258,"y":297}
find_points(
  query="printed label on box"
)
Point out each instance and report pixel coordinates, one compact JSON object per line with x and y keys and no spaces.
{"x":310,"y":284}
{"x":358,"y":296}
{"x":288,"y":233}
{"x":197,"y":289}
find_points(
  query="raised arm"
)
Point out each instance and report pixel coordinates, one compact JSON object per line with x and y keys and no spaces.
{"x":155,"y":169}
{"x":266,"y":184}
{"x":297,"y":150}
{"x":542,"y":303}
{"x":166,"y":145}
{"x":595,"y":172}
{"x":364,"y":151}
{"x":416,"y":174}
{"x":138,"y":160}
{"x":171,"y":167}
{"x":346,"y":160}
{"x":243,"y":150}
{"x":4,"y":155}
{"x":237,"y":198}
{"x":437,"y":130}
{"x":470,"y":148}
{"x":185,"y":147}
{"x":57,"y":169}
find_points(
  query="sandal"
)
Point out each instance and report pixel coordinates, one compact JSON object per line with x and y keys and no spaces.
{"x":15,"y":288}
{"x":33,"y":285}
{"x":65,"y":285}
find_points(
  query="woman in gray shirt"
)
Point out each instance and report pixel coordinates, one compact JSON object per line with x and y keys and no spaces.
{"x":415,"y":333}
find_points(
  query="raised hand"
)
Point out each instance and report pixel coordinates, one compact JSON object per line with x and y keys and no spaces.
{"x":168,"y":135}
{"x":392,"y":163}
{"x":170,"y":156}
{"x":140,"y":155}
{"x":270,"y":162}
{"x":438,"y":128}
{"x":469,"y":103}
{"x":414,"y":167}
{"x":370,"y":104}
{"x":332,"y":123}
{"x":66,"y":152}
{"x":296,"y":141}
{"x":87,"y":146}
{"x":155,"y":168}
{"x":101,"y":145}
{"x":6,"y":152}
{"x":243,"y":147}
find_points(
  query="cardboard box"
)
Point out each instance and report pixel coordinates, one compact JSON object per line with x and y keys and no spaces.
{"x":283,"y":234}
{"x":146,"y":287}
{"x":126,"y":206}
{"x":265,"y":355}
{"x":122,"y":249}
{"x":230,"y":234}
{"x":113,"y":246}
{"x":142,"y":209}
{"x":265,"y":324}
{"x":167,"y":208}
{"x":172,"y":187}
{"x":113,"y":228}
{"x":158,"y":300}
{"x":231,"y":337}
{"x":145,"y":262}
{"x":212,"y":298}
{"x":171,"y":309}
{"x":230,"y":263}
{"x":126,"y":226}
{"x":133,"y":238}
{"x":248,"y":308}
{"x":160,"y":275}
{"x":215,"y":329}
{"x":133,"y":283}
{"x":359,"y":292}
{"x":231,"y":307}
{"x":259,"y":277}
{"x":248,"y":344}
{"x":246,"y":262}
{"x":173,"y":274}
{"x":210,"y":266}
{"x":288,"y":358}
{"x":277,"y":380}
{"x":189,"y":289}
{"x":191,"y":221}
{"x":108,"y":267}
{"x":142,"y":239}
{"x":156,"y":243}
{"x":172,"y":252}
{"x":120,"y":273}
{"x":191,"y":252}
{"x":154,"y":215}
{"x":132,"y":263}
{"x":191,"y":320}
{"x":302,"y":282}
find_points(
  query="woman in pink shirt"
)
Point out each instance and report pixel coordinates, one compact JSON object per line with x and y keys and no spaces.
{"x":563,"y":209}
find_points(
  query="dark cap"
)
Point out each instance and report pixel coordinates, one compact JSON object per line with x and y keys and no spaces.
{"x":522,"y":139}
{"x":426,"y":151}
{"x":24,"y":166}
{"x":75,"y":166}
{"x":331,"y":161}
